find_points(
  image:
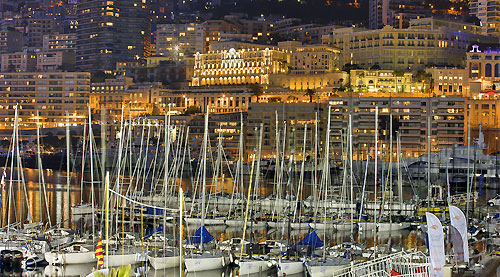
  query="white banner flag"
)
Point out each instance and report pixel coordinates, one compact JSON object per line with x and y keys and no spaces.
{"x":459,"y":222}
{"x":436,"y":244}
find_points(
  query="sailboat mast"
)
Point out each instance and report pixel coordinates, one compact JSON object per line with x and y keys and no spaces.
{"x":350,"y":176}
{"x":91,"y":173}
{"x":400,"y":178}
{"x":375,"y":184}
{"x":326,"y":172}
{"x":428,"y":161}
{"x":68,"y":178}
{"x":468,"y":168}
{"x":204,"y":177}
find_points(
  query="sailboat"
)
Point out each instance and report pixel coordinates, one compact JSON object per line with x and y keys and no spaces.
{"x":202,"y":260}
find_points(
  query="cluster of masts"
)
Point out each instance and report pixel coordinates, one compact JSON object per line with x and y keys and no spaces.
{"x":144,"y":190}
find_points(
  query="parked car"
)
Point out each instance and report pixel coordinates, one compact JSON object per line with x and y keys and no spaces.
{"x":494,"y":201}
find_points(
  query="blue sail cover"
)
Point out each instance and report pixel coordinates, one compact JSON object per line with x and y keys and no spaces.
{"x":200,"y":234}
{"x":312,"y":240}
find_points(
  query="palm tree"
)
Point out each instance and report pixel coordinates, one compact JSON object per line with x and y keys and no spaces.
{"x":256,"y":90}
{"x":310,"y":93}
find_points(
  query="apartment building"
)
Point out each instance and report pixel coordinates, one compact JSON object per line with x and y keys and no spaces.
{"x":62,"y":42}
{"x":449,"y":81}
{"x":55,"y":60}
{"x":37,"y":28}
{"x":10,"y":40}
{"x":59,"y":97}
{"x":403,"y":49}
{"x":177,"y":41}
{"x":410,"y":117}
{"x":18,"y":62}
{"x":488,"y":13}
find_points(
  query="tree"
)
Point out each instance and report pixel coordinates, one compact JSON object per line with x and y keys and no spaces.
{"x":256,"y":90}
{"x":311,"y":93}
{"x":192,"y":110}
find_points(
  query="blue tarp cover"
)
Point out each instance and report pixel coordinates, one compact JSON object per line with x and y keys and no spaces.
{"x":312,"y":240}
{"x":200,"y":234}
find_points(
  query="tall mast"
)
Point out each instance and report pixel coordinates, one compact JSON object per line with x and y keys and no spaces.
{"x":390,"y":170}
{"x":350,"y":176}
{"x":14,"y":138}
{"x":91,"y":173}
{"x":68,"y":177}
{"x":468,"y":168}
{"x":400,"y":178}
{"x":375,"y":183}
{"x":326,"y":172}
{"x":40,"y":172}
{"x":204,"y":177}
{"x":429,"y":160}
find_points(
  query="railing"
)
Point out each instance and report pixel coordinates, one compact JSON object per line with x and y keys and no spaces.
{"x":461,"y":199}
{"x":407,"y":263}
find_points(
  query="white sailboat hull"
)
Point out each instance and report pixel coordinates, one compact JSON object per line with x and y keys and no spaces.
{"x":164,"y":262}
{"x":239,"y":223}
{"x":207,"y":221}
{"x":323,"y":270}
{"x":203,"y":263}
{"x":289,"y":268}
{"x":251,"y":267}
{"x":54,"y":258}
{"x":119,"y":260}
{"x":384,"y":226}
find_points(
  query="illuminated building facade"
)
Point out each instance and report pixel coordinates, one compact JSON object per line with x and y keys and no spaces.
{"x":449,"y":81}
{"x":111,"y":95}
{"x":238,"y":67}
{"x":227,"y":101}
{"x":483,"y":111}
{"x":52,"y":94}
{"x":403,"y":49}
{"x":381,"y":81}
{"x":483,"y":67}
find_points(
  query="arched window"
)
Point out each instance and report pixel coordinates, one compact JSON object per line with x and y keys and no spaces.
{"x":487,"y":70}
{"x":497,"y":70}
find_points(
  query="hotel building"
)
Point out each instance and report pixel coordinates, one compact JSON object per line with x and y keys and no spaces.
{"x":52,"y":94}
{"x":239,"y":67}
